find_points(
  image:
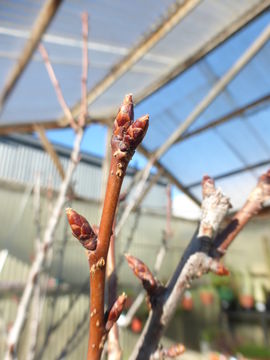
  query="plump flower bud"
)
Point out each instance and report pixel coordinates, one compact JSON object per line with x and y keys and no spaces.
{"x":136,"y":131}
{"x":127,"y":135}
{"x":81,"y":229}
{"x":142,"y":272}
{"x":124,"y":117}
{"x":115,"y":311}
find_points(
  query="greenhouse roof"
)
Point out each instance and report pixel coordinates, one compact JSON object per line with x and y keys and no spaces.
{"x":171,"y":55}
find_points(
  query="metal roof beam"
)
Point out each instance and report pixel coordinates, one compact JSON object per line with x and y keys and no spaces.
{"x":206,"y":48}
{"x":169,"y":175}
{"x":175,"y":14}
{"x":28,"y":127}
{"x":50,"y":150}
{"x":233,"y":172}
{"x":262,"y":101}
{"x":42,"y":22}
{"x":217,"y":88}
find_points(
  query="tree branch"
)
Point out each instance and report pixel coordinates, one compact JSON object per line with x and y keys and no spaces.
{"x":127,"y":135}
{"x":254,"y":204}
{"x":194,"y":263}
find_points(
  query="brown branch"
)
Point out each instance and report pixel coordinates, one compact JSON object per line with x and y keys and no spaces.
{"x":113,"y":346}
{"x":252,"y":207}
{"x":127,"y":135}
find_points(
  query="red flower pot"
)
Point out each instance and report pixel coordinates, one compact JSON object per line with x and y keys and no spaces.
{"x":187,"y":302}
{"x":136,"y":325}
{"x":246,"y":301}
{"x":207,"y":298}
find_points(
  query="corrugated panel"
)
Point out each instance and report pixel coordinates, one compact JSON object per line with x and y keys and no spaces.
{"x":21,"y":164}
{"x":68,"y":329}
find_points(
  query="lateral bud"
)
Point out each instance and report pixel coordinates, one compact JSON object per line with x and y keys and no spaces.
{"x":143,"y":273}
{"x":124,"y":117}
{"x":115,"y":311}
{"x":81,"y":229}
{"x":219,"y":269}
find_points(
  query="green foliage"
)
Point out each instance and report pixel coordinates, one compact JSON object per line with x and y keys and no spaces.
{"x":254,"y":351}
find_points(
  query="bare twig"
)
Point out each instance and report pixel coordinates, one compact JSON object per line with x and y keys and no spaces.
{"x":126,"y":137}
{"x":48,"y":238}
{"x":113,"y":346}
{"x":36,"y":302}
{"x":199,"y":257}
{"x":56,"y":86}
{"x":253,"y":205}
{"x":40,"y":257}
{"x":196,"y":263}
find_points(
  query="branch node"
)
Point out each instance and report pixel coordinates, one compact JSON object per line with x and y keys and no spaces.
{"x":98,"y":265}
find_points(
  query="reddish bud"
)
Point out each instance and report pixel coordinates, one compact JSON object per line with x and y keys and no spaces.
{"x":124,"y":117}
{"x":127,"y":135}
{"x":136,"y":131}
{"x":219,"y":269}
{"x":115,"y":311}
{"x":81,"y":229}
{"x":174,"y":351}
{"x":142,"y":272}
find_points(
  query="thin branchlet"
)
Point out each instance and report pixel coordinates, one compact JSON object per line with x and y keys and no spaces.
{"x":127,"y":135}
